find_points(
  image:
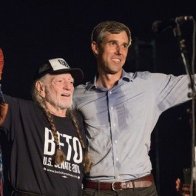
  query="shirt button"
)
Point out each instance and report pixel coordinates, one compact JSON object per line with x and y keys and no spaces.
{"x":116,"y":159}
{"x":111,"y":108}
{"x":115,"y":141}
{"x":110,"y":92}
{"x":118,"y":177}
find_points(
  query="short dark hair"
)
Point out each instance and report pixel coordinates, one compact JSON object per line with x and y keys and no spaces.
{"x":113,"y":27}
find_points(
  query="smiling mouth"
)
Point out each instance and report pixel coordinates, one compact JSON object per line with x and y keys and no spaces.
{"x":116,"y":60}
{"x":65,"y":95}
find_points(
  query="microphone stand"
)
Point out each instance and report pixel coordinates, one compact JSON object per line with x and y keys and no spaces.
{"x":190,"y":72}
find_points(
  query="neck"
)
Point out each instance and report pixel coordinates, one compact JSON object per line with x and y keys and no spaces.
{"x":56,"y":111}
{"x":108,"y":80}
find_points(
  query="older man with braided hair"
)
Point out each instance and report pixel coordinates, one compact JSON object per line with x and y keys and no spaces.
{"x":43,"y":143}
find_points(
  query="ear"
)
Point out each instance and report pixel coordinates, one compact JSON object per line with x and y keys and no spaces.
{"x":40,"y":88}
{"x":95,"y":48}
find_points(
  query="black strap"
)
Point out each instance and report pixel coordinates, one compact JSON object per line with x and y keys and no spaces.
{"x":24,"y":193}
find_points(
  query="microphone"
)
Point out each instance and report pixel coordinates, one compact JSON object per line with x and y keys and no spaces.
{"x":159,"y":26}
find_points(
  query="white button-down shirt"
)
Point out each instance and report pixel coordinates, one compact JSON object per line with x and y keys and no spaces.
{"x":119,"y":121}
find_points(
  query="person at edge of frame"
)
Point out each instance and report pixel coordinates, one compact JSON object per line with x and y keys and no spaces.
{"x":43,"y":142}
{"x":120,"y":110}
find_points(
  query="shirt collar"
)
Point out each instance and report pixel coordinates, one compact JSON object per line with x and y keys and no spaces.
{"x":126,"y":76}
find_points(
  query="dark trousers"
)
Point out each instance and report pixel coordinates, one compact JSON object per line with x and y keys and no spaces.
{"x":147,"y":191}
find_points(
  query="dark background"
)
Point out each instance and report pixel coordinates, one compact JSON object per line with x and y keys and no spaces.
{"x":34,"y":30}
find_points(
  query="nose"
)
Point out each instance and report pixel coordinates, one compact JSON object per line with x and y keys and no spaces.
{"x":118,"y":49}
{"x":68,"y":85}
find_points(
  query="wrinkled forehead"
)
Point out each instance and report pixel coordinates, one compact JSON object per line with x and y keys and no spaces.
{"x":111,"y":35}
{"x":121,"y":34}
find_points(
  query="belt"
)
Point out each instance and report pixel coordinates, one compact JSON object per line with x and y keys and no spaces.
{"x":142,"y":182}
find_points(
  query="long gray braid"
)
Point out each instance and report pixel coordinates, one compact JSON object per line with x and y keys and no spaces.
{"x":59,"y":155}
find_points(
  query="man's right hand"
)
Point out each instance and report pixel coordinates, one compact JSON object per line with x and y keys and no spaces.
{"x":182,"y":189}
{"x":3,"y":105}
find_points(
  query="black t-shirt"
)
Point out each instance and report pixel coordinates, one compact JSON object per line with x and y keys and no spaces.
{"x":28,"y":151}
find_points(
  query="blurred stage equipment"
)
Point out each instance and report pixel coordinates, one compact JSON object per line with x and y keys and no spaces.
{"x":176,"y":25}
{"x":159,"y":26}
